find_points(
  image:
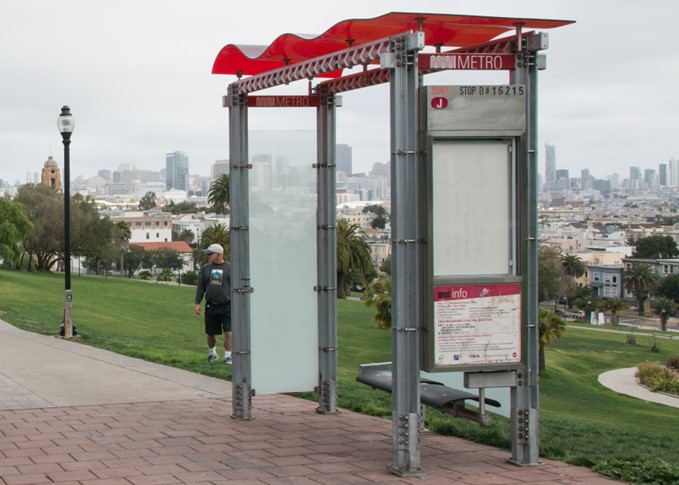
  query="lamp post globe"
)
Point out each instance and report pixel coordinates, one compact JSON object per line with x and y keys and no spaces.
{"x":66,"y":124}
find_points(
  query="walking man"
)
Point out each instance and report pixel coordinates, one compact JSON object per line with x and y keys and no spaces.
{"x":214,"y":282}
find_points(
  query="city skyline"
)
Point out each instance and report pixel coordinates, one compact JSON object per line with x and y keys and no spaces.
{"x":137,"y":96}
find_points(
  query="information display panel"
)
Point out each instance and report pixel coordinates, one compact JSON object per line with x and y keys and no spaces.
{"x":477,"y":324}
{"x":472,"y":304}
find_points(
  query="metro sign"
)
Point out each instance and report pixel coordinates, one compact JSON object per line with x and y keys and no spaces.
{"x":311,"y":101}
{"x":467,"y":62}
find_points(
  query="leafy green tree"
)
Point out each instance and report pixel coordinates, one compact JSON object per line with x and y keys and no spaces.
{"x":549,"y":273}
{"x":614,"y":305}
{"x":669,"y":287}
{"x":122,"y":235}
{"x":100,"y":248}
{"x":219,"y":194}
{"x":187,"y":235}
{"x":184,"y":207}
{"x":134,"y":259}
{"x":551,"y":327}
{"x":640,"y":279}
{"x":664,"y":308}
{"x":166,"y":258}
{"x":14,"y":227}
{"x":44,"y":207}
{"x":378,"y":295}
{"x":588,"y":305}
{"x":385,"y":267}
{"x":353,"y":256}
{"x":656,"y":246}
{"x":148,"y":201}
{"x":381,"y":217}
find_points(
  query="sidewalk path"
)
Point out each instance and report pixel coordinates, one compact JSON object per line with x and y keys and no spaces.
{"x":73,"y":414}
{"x":623,"y":381}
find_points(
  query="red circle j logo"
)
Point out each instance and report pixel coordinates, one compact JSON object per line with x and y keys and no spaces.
{"x":439,"y":102}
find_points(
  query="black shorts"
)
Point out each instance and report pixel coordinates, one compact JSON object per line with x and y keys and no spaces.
{"x":217,"y":318}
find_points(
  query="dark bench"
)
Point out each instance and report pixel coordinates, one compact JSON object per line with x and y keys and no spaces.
{"x":432,"y":393}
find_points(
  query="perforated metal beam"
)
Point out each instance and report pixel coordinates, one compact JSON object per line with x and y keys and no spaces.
{"x":348,"y":58}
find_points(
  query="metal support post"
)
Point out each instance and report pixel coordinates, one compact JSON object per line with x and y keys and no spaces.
{"x":524,"y":397}
{"x":326,"y":254}
{"x":240,"y":253}
{"x":405,"y":245}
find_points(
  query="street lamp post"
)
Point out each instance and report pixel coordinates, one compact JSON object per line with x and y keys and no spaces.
{"x":65,"y":124}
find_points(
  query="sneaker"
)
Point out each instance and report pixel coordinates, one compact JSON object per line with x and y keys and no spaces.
{"x":227,"y":360}
{"x":212,"y":357}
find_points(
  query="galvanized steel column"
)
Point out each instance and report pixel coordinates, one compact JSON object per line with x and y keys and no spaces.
{"x":240,"y":253}
{"x":405,"y":244}
{"x":326,"y":238}
{"x":524,"y":398}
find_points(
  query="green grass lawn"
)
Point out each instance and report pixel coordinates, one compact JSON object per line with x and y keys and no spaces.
{"x":580,"y":421}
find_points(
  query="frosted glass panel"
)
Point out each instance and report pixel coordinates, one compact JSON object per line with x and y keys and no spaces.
{"x":284,"y":313}
{"x":472,"y":208}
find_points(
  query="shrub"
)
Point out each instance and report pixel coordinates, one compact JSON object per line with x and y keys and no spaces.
{"x":145,"y":275}
{"x":189,"y":278}
{"x":165,"y":275}
{"x":658,"y":378}
{"x":673,"y":363}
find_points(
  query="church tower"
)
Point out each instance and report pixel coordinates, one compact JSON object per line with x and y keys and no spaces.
{"x":51,"y":174}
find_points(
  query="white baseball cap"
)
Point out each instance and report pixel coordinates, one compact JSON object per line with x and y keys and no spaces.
{"x":214,"y":248}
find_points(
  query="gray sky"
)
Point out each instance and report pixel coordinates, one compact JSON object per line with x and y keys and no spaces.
{"x":137,"y":76}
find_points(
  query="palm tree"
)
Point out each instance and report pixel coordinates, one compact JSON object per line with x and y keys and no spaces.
{"x":215,"y":234}
{"x":219,"y":194}
{"x":552,"y":327}
{"x":614,"y":305}
{"x":353,"y":256}
{"x":640,"y":280}
{"x":664,"y":308}
{"x":572,"y":265}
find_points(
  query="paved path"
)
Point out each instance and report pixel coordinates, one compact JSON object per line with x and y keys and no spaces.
{"x":73,"y":414}
{"x":623,"y":381}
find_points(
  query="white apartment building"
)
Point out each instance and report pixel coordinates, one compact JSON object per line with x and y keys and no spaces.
{"x":145,"y":226}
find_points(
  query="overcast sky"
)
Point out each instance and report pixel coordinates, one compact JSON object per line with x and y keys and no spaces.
{"x":137,"y":76}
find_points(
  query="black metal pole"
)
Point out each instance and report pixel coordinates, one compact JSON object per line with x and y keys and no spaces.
{"x":66,"y":138}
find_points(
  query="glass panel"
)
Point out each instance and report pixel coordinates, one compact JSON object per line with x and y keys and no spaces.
{"x":284,"y":305}
{"x":472,"y":208}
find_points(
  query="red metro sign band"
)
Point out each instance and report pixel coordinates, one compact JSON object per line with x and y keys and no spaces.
{"x":467,"y":62}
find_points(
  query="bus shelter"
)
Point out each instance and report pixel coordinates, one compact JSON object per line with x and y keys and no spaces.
{"x":464,"y":209}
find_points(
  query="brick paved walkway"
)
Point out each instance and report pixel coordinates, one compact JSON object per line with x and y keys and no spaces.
{"x":195,"y":441}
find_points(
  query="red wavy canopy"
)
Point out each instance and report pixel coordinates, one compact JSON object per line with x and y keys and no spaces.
{"x":439,"y":29}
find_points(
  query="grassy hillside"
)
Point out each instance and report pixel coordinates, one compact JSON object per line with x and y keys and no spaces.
{"x":581,"y":421}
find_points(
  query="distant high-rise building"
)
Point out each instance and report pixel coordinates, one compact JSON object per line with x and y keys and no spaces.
{"x":381,"y":170}
{"x":131,"y":177}
{"x":177,"y":171}
{"x":674,"y":173}
{"x":586,"y":180}
{"x":343,"y":158}
{"x":650,"y":178}
{"x":550,"y":163}
{"x":662,"y":175}
{"x":51,"y":174}
{"x":104,"y":173}
{"x":220,"y":167}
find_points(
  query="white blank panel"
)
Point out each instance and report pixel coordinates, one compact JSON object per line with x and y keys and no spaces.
{"x":284,"y":305}
{"x":472,"y":208}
